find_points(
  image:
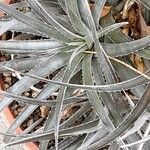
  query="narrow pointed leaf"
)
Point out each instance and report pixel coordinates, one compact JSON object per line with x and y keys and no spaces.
{"x":38,"y":25}
{"x":48,"y":18}
{"x":98,"y":6}
{"x":135,"y":113}
{"x":61,"y":96}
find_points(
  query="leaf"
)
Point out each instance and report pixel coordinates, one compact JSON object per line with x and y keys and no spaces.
{"x":145,"y":3}
{"x":126,"y":48}
{"x":97,"y":11}
{"x":139,"y":63}
{"x":44,"y":94}
{"x":23,"y":64}
{"x":29,"y":46}
{"x":118,"y":36}
{"x":58,"y":61}
{"x":18,"y":27}
{"x":38,"y":25}
{"x":107,"y":98}
{"x":93,"y":96}
{"x":134,"y":114}
{"x":124,"y":85}
{"x":103,"y":32}
{"x":70,"y":122}
{"x":77,"y":130}
{"x":74,"y":16}
{"x":145,"y":29}
{"x":76,"y":52}
{"x":138,"y":124}
{"x":110,"y":28}
{"x":45,"y":46}
{"x":68,"y":74}
{"x":48,"y":18}
{"x":105,"y":62}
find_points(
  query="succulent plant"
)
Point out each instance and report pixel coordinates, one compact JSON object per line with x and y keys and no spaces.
{"x":85,"y":52}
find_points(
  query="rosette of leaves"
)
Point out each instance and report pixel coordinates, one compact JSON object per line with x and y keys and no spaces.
{"x":82,"y":49}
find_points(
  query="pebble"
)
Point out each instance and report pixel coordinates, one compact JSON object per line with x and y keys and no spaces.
{"x":26,"y":94}
{"x":30,"y":122}
{"x":15,"y":113}
{"x":7,"y":79}
{"x":19,"y":109}
{"x":14,"y":107}
{"x":6,"y":86}
{"x":24,"y":125}
{"x":6,"y":74}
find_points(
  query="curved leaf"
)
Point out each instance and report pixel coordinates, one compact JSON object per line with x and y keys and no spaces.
{"x":36,"y":24}
{"x":43,"y":69}
{"x":145,"y":3}
{"x":69,"y":72}
{"x":48,"y":18}
{"x":124,"y":85}
{"x":135,"y":113}
{"x":74,"y":16}
{"x":77,"y":130}
{"x":93,"y":96}
{"x":98,"y":6}
{"x":23,"y":64}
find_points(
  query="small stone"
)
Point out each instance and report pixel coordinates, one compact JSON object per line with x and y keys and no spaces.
{"x":14,"y":107}
{"x":7,"y":79}
{"x":30,"y":122}
{"x":26,"y":94}
{"x":24,"y":125}
{"x":6,"y":86}
{"x":15,"y":113}
{"x":13,"y":74}
{"x":19,"y":109}
{"x":44,"y":111}
{"x":6,"y":74}
{"x":36,"y":117}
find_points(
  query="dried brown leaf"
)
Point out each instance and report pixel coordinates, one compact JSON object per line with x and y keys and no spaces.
{"x":105,"y":11}
{"x":145,"y":29}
